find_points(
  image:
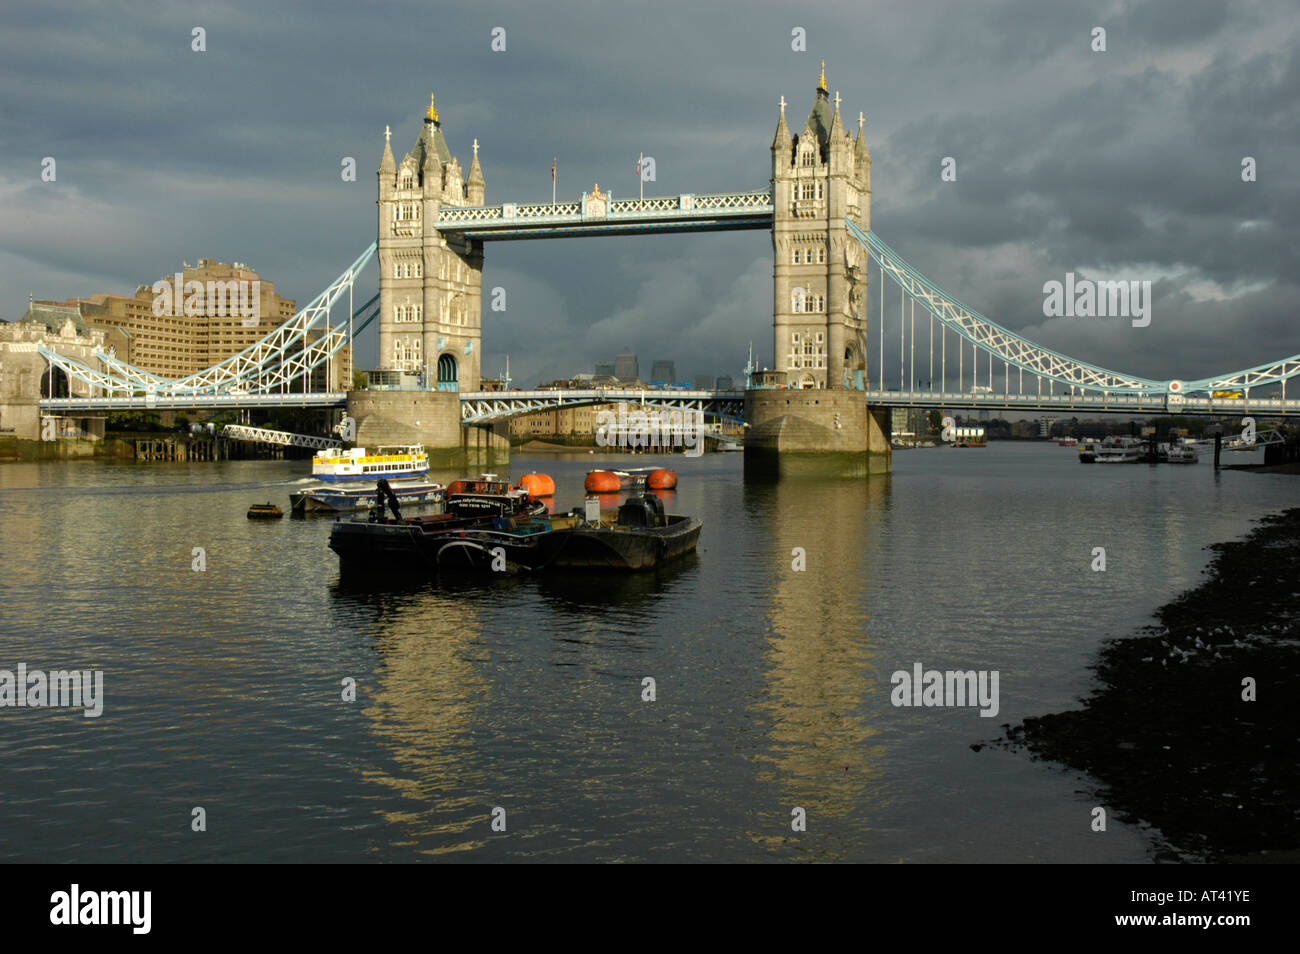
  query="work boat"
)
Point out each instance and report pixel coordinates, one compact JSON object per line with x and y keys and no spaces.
{"x":1180,"y":451}
{"x":387,"y":463}
{"x":1119,"y":450}
{"x":382,"y":544}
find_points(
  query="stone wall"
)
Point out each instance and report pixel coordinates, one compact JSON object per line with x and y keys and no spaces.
{"x":829,"y":432}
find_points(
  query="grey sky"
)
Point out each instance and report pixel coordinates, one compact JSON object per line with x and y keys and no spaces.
{"x":1123,"y":164}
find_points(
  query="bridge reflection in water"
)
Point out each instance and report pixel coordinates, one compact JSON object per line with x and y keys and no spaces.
{"x":423,"y":709}
{"x":821,"y":684}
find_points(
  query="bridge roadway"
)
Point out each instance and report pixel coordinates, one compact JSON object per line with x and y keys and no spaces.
{"x":478,"y":407}
{"x":603,"y":215}
{"x":1103,"y":404}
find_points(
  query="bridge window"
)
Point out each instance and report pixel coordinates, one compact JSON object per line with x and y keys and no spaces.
{"x":397,"y":270}
{"x":820,"y":186}
{"x":807,"y":158}
{"x":406,"y":181}
{"x":821,"y":252}
{"x":798,"y":256}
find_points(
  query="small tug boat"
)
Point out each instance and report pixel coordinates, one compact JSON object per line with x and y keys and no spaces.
{"x":397,"y":462}
{"x":641,"y":537}
{"x":266,"y":511}
{"x":489,"y":527}
{"x":382,"y":544}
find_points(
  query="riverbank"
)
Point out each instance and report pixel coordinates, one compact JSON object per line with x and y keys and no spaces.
{"x":1171,"y":733}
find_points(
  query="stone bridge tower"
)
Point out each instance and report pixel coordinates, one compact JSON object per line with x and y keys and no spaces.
{"x":430,"y":286}
{"x":819,"y":176}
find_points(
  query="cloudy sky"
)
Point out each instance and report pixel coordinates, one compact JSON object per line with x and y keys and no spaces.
{"x":1118,"y":164}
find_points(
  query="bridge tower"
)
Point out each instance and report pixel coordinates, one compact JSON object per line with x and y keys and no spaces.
{"x":819,"y":282}
{"x":430,"y":285}
{"x":808,"y":413}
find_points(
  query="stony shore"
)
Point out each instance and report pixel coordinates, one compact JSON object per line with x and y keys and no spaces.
{"x":1168,"y":733}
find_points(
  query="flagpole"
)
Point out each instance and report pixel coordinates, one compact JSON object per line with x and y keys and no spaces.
{"x":553,"y":162}
{"x":640,"y":178}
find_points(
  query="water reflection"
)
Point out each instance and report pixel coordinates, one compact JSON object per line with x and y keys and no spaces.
{"x":430,"y":693}
{"x":819,"y":675}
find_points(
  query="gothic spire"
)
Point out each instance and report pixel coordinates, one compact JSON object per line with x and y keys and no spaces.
{"x":782,"y":138}
{"x":386,"y":164}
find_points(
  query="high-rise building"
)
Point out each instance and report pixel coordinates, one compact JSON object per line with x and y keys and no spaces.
{"x":665,"y":371}
{"x":605,"y":369}
{"x":704,"y":382}
{"x":820,"y":178}
{"x":626,"y":368}
{"x":724,"y":383}
{"x":189,"y":320}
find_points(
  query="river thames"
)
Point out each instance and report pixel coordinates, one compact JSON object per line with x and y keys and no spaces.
{"x":223,"y":686}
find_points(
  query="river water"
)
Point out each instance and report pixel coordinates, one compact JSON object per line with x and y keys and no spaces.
{"x":223,"y":687}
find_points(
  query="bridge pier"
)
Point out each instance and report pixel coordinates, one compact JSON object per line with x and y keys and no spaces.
{"x":827,"y":432}
{"x":431,"y":418}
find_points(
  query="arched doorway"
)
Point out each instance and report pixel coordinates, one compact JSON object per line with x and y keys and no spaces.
{"x":54,"y":383}
{"x":855,"y":366}
{"x":447,"y":373}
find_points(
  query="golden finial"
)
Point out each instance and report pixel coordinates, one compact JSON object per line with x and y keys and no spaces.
{"x":433,"y":111}
{"x":821,"y":84}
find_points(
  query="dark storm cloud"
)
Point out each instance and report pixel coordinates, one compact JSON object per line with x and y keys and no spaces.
{"x":1117,"y":164}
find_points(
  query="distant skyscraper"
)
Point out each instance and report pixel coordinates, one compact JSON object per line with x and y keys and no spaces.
{"x":626,"y":368}
{"x":605,"y":367}
{"x":704,"y":382}
{"x":664,"y":371}
{"x":725,"y":384}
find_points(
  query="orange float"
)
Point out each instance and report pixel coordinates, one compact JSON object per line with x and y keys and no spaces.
{"x":539,"y":485}
{"x":663,"y":479}
{"x":602,"y":482}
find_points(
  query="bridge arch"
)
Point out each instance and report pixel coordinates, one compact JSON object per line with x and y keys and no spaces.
{"x":54,"y":383}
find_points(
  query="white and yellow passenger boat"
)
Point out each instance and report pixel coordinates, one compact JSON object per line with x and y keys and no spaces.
{"x":392,"y":463}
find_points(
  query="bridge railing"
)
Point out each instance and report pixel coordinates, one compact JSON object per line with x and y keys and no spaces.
{"x":757,"y":203}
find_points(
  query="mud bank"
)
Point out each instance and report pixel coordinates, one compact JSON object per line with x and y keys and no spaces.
{"x":1168,"y":734}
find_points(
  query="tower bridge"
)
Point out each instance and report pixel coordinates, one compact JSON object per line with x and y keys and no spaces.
{"x":844,"y":306}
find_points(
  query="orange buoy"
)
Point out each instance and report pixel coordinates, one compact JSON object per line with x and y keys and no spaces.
{"x":602,"y":482}
{"x":539,"y":485}
{"x":662,"y":480}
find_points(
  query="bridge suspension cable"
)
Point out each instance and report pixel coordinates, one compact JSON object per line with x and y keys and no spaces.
{"x":998,"y":343}
{"x":272,"y":365}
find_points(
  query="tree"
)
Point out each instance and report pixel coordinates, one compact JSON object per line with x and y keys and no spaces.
{"x":360,"y":380}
